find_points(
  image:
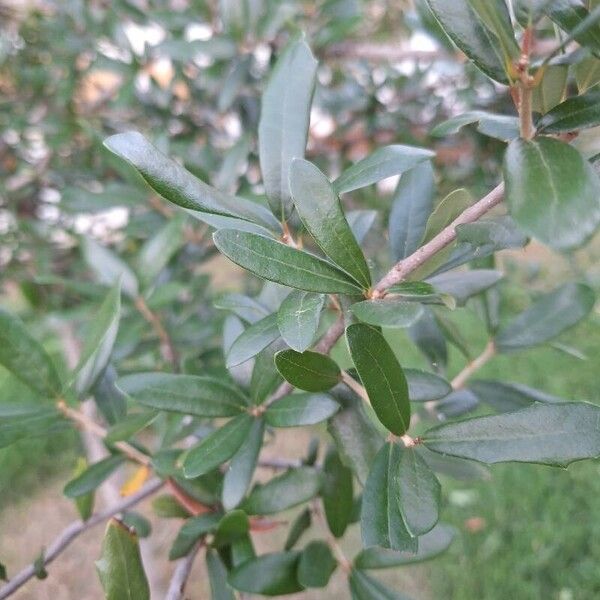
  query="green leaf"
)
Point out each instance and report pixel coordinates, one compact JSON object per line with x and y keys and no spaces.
{"x":356,"y":437}
{"x":384,"y":162}
{"x":419,"y":497}
{"x":99,"y":342}
{"x":316,"y":565}
{"x":470,"y":34}
{"x":579,"y":112}
{"x":191,"y":531}
{"x":232,"y":527}
{"x":265,"y":376}
{"x":277,"y":262}
{"x":270,"y":574}
{"x":575,"y":19}
{"x":547,"y":318}
{"x":120,"y":567}
{"x":129,"y":426}
{"x":456,"y":468}
{"x":299,"y":410}
{"x":501,"y":127}
{"x":179,"y":186}
{"x":241,"y":468}
{"x":364,"y":587}
{"x":284,"y":491}
{"x":360,"y":222}
{"x":93,"y":476}
{"x":587,"y":73}
{"x":412,"y":204}
{"x":284,"y":120}
{"x":310,"y":371}
{"x":138,"y":523}
{"x":321,"y":212}
{"x":550,"y":434}
{"x":254,"y":339}
{"x":382,"y":376}
{"x":336,"y":493}
{"x":109,"y":268}
{"x":300,"y":524}
{"x":25,"y":358}
{"x":217,"y":447}
{"x":428,"y":337}
{"x":508,"y":397}
{"x":298,"y":319}
{"x":388,"y":312}
{"x":381,"y":521}
{"x":551,"y":90}
{"x":189,"y":394}
{"x":246,"y":308}
{"x":85,"y":503}
{"x":424,"y":386}
{"x":217,"y":576}
{"x":22,"y":420}
{"x":431,"y":544}
{"x":464,"y":284}
{"x":552,"y":192}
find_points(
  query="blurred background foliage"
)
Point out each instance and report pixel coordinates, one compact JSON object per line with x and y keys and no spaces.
{"x":188,"y":74}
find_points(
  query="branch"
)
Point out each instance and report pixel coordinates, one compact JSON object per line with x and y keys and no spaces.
{"x":476,"y":364}
{"x":181,"y":575}
{"x":75,"y":529}
{"x":379,"y":52}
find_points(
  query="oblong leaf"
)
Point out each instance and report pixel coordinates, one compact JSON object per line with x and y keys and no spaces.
{"x":299,"y":410}
{"x":270,"y":574}
{"x":424,"y":386}
{"x":364,"y":587}
{"x":552,"y":192}
{"x":551,"y":434}
{"x":316,"y":565}
{"x":191,"y":531}
{"x":508,"y":397}
{"x":321,"y":212}
{"x":389,"y":312}
{"x":277,"y":262}
{"x":93,"y":476}
{"x":255,"y":338}
{"x":501,"y":127}
{"x":382,"y":376}
{"x":578,"y":112}
{"x":310,"y":371}
{"x":298,"y":319}
{"x":336,"y":493}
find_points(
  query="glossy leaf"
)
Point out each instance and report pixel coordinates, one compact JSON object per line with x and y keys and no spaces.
{"x":547,"y":318}
{"x":284,"y":121}
{"x":384,"y":162}
{"x":277,"y":262}
{"x":254,"y":339}
{"x":578,"y":112}
{"x":299,"y":410}
{"x":309,"y":371}
{"x":217,"y":447}
{"x":321,"y":212}
{"x":298,"y":319}
{"x":381,"y":521}
{"x":336,"y":493}
{"x":270,"y":574}
{"x":552,"y":192}
{"x":241,"y":468}
{"x":389,"y":312}
{"x":93,"y":476}
{"x":412,"y":204}
{"x":25,"y":358}
{"x":382,"y":376}
{"x":179,"y":186}
{"x":316,"y":565}
{"x":189,"y":394}
{"x":551,"y":434}
{"x":99,"y":343}
{"x":508,"y":397}
{"x":424,"y":386}
{"x":496,"y":18}
{"x":501,"y":127}
{"x":120,"y":567}
{"x":284,"y":491}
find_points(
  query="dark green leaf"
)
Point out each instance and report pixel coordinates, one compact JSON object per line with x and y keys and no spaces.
{"x":299,"y":525}
{"x":191,"y":531}
{"x":337,"y":493}
{"x":457,"y":468}
{"x":284,"y":491}
{"x":316,"y":565}
{"x":381,"y":521}
{"x":269,"y":574}
{"x":411,"y":206}
{"x":120,"y":567}
{"x":546,"y":318}
{"x":93,"y":476}
{"x":426,"y":334}
{"x":25,"y":358}
{"x":167,"y":507}
{"x":217,"y":575}
{"x":457,"y":403}
{"x":265,"y":376}
{"x":254,"y":339}
{"x":277,"y":262}
{"x":241,"y":468}
{"x":284,"y":120}
{"x":574,"y":17}
{"x":551,"y":434}
{"x":495,"y":16}
{"x":464,"y":284}
{"x":217,"y":447}
{"x":3,"y":575}
{"x":301,"y":409}
{"x":424,"y":386}
{"x":233,"y":526}
{"x":384,"y":162}
{"x":389,"y":312}
{"x":310,"y":371}
{"x":430,"y":545}
{"x":39,"y":566}
{"x":501,"y":127}
{"x":364,"y":587}
{"x":508,"y":397}
{"x":189,"y":394}
{"x":298,"y":319}
{"x":321,"y":212}
{"x":579,"y":112}
{"x":382,"y":376}
{"x":136,"y":522}
{"x":552,"y":192}
{"x":84,"y":503}
{"x":176,"y":184}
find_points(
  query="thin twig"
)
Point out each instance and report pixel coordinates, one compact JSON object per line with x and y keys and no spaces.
{"x":75,"y":529}
{"x":181,"y":575}
{"x":459,"y":381}
{"x":379,"y":52}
